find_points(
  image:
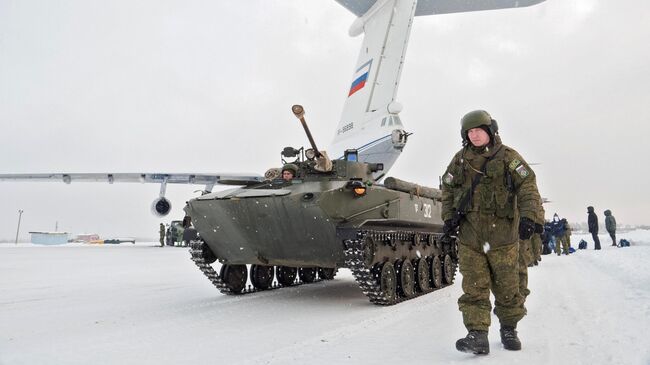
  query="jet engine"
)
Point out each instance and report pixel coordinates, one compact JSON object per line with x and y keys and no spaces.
{"x":161,"y":207}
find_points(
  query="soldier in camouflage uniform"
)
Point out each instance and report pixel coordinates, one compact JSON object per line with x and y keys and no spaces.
{"x":566,"y":238}
{"x":162,"y":235}
{"x":289,"y":172}
{"x":501,"y":210}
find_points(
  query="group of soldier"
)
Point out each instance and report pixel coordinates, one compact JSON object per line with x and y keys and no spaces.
{"x":557,"y":236}
{"x":176,"y":233}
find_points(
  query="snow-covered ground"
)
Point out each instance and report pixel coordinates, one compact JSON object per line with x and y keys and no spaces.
{"x":141,"y":304}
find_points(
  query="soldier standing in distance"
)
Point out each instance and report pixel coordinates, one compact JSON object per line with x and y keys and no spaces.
{"x":592,"y":222}
{"x":162,"y":235}
{"x":566,"y":239}
{"x":490,"y":196}
{"x":610,"y":225}
{"x":558,"y":229}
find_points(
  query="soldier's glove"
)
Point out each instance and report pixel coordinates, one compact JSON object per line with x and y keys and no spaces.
{"x":539,"y":228}
{"x":526,"y":228}
{"x":451,"y":226}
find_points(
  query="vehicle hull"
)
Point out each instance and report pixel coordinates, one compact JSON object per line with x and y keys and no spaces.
{"x":297,"y":224}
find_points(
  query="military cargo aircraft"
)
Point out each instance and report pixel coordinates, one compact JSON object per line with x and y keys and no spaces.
{"x":370,"y":121}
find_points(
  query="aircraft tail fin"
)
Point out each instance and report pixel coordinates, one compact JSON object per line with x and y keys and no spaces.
{"x":370,"y":121}
{"x":370,"y":113}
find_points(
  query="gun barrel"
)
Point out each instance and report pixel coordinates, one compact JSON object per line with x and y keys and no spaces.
{"x":299,"y":112}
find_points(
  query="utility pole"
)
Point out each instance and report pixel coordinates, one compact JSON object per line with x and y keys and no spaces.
{"x":20,"y":214}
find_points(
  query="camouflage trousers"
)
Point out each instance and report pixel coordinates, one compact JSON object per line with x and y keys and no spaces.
{"x":496,"y":270}
{"x":525,"y":259}
{"x":564,"y":242}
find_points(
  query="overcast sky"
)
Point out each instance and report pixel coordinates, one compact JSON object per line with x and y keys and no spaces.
{"x":207,"y":86}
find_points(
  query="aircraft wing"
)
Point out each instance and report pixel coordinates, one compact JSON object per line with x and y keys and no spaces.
{"x":170,"y":178}
{"x":431,"y":7}
{"x":161,"y":206}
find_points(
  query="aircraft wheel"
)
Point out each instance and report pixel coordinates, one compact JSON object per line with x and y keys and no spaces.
{"x":262,"y":276}
{"x":235,"y":277}
{"x":307,"y":274}
{"x":286,"y":275}
{"x":436,"y":272}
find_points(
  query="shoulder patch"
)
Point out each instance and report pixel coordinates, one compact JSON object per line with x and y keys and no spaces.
{"x":522,"y":171}
{"x":513,"y":165}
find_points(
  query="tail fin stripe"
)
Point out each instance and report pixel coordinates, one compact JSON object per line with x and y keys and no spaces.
{"x":361,"y":76}
{"x":358,"y":84}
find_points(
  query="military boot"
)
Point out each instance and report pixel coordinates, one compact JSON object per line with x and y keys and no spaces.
{"x":509,"y":338}
{"x":476,"y":342}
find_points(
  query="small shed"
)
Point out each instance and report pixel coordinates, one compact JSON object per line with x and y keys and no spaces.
{"x":49,"y":238}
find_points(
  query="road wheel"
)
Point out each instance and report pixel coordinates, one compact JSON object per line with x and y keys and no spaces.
{"x":449,"y":270}
{"x":406,"y":276}
{"x":235,"y":277}
{"x":262,"y":276}
{"x":326,"y":273}
{"x":307,"y":274}
{"x":423,"y":276}
{"x":286,"y":275}
{"x":436,"y":272}
{"x":388,"y":281}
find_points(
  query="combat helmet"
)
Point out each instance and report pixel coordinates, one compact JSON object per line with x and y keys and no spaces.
{"x":290,"y":167}
{"x":475,"y":119}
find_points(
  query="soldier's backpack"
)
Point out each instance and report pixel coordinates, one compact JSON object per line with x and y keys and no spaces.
{"x":582,"y":245}
{"x":623,"y":243}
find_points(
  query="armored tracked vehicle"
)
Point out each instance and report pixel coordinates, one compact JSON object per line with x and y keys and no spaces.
{"x":331,"y":215}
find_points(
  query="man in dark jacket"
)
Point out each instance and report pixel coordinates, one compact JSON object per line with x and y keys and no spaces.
{"x":610,"y":225}
{"x":592,"y":221}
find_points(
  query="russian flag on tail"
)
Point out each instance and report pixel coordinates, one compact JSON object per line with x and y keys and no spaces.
{"x":360,"y":78}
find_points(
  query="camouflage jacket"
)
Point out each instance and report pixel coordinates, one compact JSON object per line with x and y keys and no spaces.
{"x":507,"y":192}
{"x":567,"y":229}
{"x":540,"y":213}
